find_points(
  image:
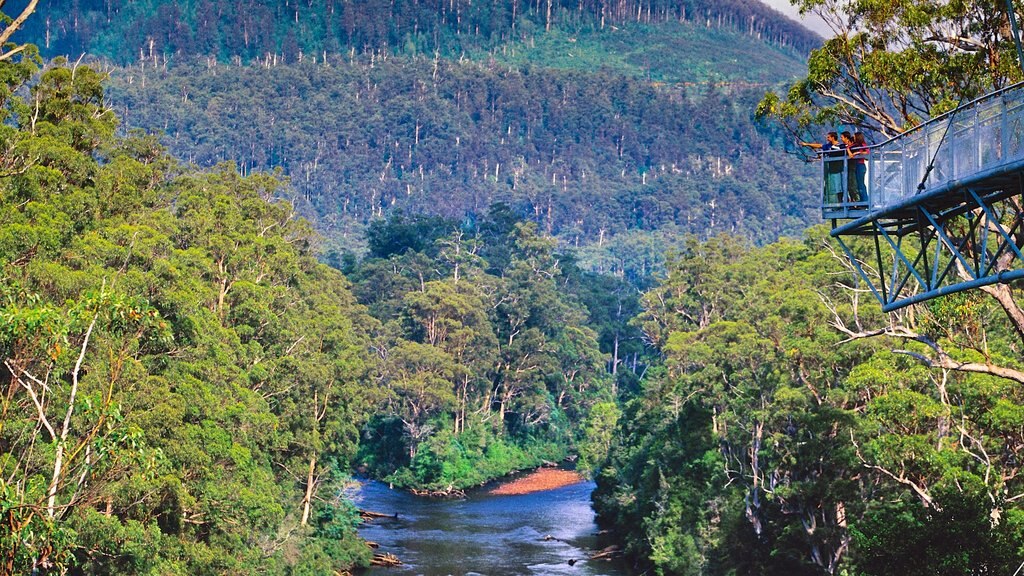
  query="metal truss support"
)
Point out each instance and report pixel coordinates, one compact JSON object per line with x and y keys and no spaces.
{"x":973,"y":238}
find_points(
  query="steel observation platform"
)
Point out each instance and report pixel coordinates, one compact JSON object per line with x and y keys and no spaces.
{"x":943,"y":203}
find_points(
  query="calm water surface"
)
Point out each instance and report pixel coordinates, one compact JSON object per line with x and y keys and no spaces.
{"x":488,"y":535}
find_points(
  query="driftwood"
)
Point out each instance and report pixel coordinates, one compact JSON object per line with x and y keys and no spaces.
{"x":372,"y":545}
{"x":367,"y":514}
{"x":385,"y":559}
{"x":449,"y":493}
{"x":607,"y":553}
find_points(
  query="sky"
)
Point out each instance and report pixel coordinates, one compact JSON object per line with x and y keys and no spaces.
{"x":812,"y":21}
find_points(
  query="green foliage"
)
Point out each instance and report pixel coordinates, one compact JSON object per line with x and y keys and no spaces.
{"x":124,"y":31}
{"x":886,"y":69}
{"x":598,"y":433}
{"x":173,"y":354}
{"x":588,"y":154}
{"x":959,"y":538}
{"x":487,"y":357}
{"x":766,"y":444}
{"x":472,"y":458}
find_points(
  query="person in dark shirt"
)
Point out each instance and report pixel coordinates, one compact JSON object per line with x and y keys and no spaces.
{"x":834,"y":155}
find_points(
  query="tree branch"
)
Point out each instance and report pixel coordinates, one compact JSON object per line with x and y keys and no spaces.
{"x":13,"y":27}
{"x":942,"y":359}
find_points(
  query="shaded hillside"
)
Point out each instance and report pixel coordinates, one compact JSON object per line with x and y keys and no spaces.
{"x":126,"y":30}
{"x":585,"y":155}
{"x":591,"y":119}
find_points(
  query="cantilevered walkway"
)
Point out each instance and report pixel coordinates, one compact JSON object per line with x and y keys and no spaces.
{"x":943,"y":206}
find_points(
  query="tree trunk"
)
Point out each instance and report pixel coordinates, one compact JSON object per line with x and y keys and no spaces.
{"x":58,"y":461}
{"x":615,"y":355}
{"x":308,"y":499}
{"x":1004,"y":295}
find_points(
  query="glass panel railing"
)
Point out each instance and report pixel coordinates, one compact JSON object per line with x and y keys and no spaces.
{"x":977,"y":137}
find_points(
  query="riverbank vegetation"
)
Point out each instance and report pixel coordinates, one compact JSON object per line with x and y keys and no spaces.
{"x":793,"y":428}
{"x":486,"y":350}
{"x":186,"y":386}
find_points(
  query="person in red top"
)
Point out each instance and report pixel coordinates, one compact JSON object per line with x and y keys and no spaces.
{"x":851,"y":179}
{"x":857,"y":154}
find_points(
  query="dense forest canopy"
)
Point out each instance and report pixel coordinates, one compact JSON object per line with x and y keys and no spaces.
{"x":168,"y":341}
{"x":602,"y":123}
{"x":586,"y":155}
{"x":778,"y":437}
{"x":129,"y":30}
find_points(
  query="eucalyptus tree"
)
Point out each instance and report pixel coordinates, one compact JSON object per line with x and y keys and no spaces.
{"x":890,"y":65}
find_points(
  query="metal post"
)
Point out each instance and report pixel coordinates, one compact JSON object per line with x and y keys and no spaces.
{"x":1016,"y":32}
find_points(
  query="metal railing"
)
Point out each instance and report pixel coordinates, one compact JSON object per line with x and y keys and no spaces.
{"x":975,"y":139}
{"x":845,"y":190}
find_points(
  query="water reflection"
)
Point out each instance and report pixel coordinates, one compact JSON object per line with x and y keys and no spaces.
{"x":536,"y":533}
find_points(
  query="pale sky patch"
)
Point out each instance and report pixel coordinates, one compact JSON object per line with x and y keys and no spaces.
{"x":810,"y":21}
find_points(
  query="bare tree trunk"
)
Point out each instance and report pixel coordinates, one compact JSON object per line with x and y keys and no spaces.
{"x":58,"y":461}
{"x":1004,"y":295}
{"x":615,"y":355}
{"x":308,"y":499}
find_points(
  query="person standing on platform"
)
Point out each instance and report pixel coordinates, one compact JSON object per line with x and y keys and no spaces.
{"x":853,"y":195}
{"x":857,"y":152}
{"x":834,"y":156}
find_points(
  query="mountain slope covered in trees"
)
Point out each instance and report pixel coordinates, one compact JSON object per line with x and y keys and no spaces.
{"x":584,"y":155}
{"x":127,"y":30}
{"x":601,"y":123}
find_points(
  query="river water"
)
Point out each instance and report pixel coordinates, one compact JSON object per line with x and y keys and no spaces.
{"x":535,"y":533}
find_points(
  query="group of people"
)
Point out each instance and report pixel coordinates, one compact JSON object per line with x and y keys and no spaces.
{"x":844,"y":153}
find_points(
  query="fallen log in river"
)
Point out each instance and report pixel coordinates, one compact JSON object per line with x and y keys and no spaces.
{"x":607,"y":553}
{"x":367,"y":515}
{"x":385,"y":559}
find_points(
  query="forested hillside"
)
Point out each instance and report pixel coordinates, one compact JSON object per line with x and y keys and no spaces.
{"x":128,"y":30}
{"x":584,"y":155}
{"x":603,"y":124}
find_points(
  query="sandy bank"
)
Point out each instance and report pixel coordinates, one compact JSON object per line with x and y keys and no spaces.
{"x":541,"y":479}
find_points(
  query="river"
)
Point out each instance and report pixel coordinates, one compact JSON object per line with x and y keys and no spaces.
{"x":536,"y":533}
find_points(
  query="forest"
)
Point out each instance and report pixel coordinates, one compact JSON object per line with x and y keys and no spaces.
{"x":792,"y":428}
{"x":186,"y":386}
{"x":230,"y":279}
{"x":129,"y":30}
{"x":602,"y":128}
{"x":585,"y":155}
